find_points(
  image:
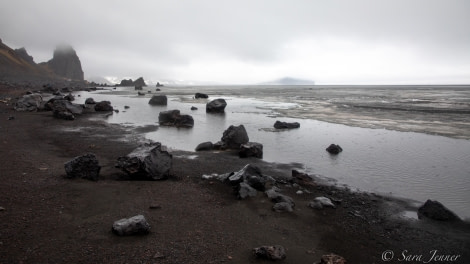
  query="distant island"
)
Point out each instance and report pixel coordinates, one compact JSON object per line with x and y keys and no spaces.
{"x":289,"y":81}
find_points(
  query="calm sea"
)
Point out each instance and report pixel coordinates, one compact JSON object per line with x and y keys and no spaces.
{"x":406,"y":141}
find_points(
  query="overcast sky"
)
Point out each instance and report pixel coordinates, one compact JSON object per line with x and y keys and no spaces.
{"x":350,"y":41}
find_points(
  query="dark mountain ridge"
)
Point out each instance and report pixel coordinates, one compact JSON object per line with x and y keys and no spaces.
{"x":18,"y":66}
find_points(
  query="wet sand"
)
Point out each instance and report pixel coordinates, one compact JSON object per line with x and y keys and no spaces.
{"x":50,"y":219}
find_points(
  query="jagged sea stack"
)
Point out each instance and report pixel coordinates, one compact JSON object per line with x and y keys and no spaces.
{"x":66,"y":63}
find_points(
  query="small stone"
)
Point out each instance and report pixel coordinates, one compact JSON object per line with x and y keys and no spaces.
{"x":2,"y":209}
{"x":321,"y":202}
{"x":334,"y":149}
{"x":332,"y":259}
{"x":276,"y":252}
{"x":136,"y":225}
{"x":155,"y":206}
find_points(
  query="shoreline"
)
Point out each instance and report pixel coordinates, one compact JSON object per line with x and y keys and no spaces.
{"x":48,"y":218}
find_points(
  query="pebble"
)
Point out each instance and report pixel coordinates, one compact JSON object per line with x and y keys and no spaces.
{"x":2,"y":208}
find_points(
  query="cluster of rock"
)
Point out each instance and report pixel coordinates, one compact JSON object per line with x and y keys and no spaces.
{"x":235,"y":137}
{"x":246,"y":182}
{"x":175,"y":118}
{"x":60,"y":105}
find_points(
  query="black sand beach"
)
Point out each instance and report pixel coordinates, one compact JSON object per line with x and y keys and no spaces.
{"x":47,"y":218}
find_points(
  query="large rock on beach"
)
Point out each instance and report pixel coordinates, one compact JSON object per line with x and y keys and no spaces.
{"x":85,"y":167}
{"x":90,"y":101}
{"x":136,"y":225}
{"x":334,"y":149}
{"x":436,"y":211}
{"x":29,"y":102}
{"x":216,"y":106}
{"x":104,"y":106}
{"x":276,"y":252}
{"x":205,"y":146}
{"x":251,"y":149}
{"x":235,"y":136}
{"x":148,"y":161}
{"x":64,"y":109}
{"x":174,"y":118}
{"x":158,"y":100}
{"x":286,"y":125}
{"x":201,"y":95}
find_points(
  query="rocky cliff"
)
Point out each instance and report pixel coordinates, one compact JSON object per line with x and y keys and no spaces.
{"x":18,"y":65}
{"x":66,"y":63}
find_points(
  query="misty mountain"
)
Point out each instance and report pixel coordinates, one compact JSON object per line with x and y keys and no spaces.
{"x":66,"y":63}
{"x":289,"y":81}
{"x":18,"y":65}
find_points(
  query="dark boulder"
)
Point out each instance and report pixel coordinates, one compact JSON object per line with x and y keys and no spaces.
{"x":86,"y":167}
{"x":193,"y":108}
{"x":69,"y":97}
{"x":140,"y":93}
{"x":285,"y":125}
{"x":436,"y":211}
{"x":148,"y":161}
{"x":276,"y":252}
{"x":205,"y":146}
{"x":136,"y":225}
{"x":251,"y":149}
{"x":334,"y":149}
{"x":90,"y":101}
{"x":174,"y":118}
{"x":216,"y":106}
{"x":64,"y":109}
{"x":104,"y":106}
{"x":158,"y":100}
{"x":201,"y":95}
{"x":235,"y":136}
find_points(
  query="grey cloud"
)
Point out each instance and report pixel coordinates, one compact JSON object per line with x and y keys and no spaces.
{"x":118,"y":36}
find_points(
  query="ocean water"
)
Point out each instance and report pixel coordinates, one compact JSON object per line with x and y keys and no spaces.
{"x":406,"y":141}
